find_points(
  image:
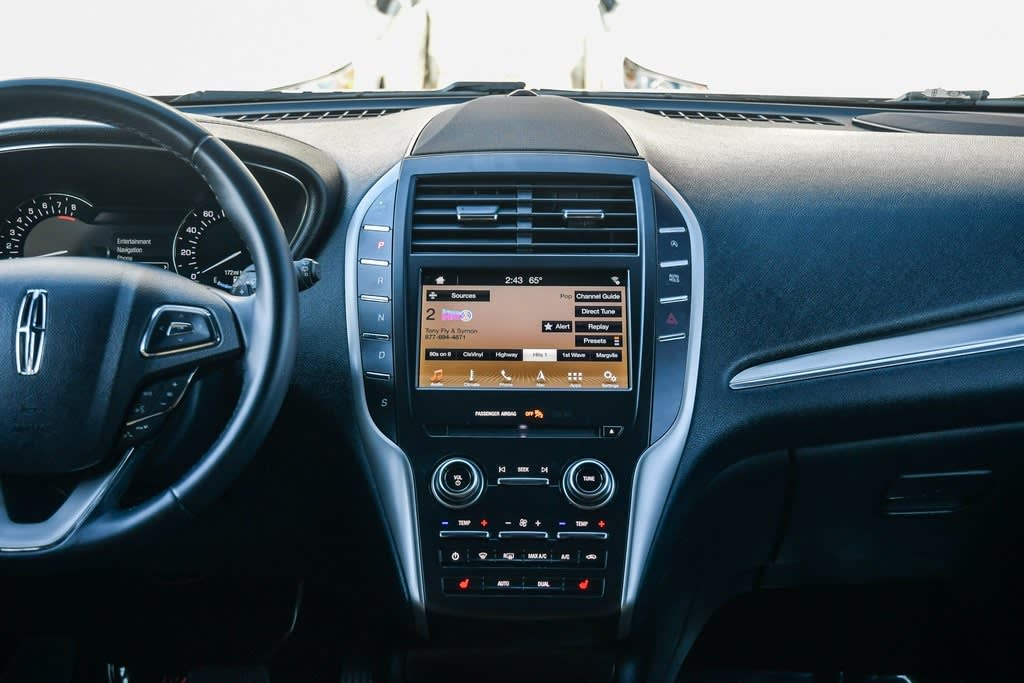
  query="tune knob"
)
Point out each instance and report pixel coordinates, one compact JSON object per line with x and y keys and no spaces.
{"x":588,"y":484}
{"x":457,"y":483}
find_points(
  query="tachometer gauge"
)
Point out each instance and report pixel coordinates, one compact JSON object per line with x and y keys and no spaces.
{"x":207,"y":249}
{"x":50,"y":225}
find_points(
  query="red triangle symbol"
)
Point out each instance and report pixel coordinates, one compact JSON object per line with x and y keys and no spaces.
{"x":671,"y":320}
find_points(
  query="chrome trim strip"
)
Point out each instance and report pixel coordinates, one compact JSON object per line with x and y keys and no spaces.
{"x":997,"y":333}
{"x":389,"y":468}
{"x":656,"y":468}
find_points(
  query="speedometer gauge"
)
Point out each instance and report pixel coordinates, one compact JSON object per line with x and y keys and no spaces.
{"x":207,"y":249}
{"x":50,"y":225}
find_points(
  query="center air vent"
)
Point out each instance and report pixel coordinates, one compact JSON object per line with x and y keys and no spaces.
{"x":539,"y":214}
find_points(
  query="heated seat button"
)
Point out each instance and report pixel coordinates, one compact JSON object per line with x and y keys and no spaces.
{"x":457,"y":585}
{"x":174,"y":329}
{"x":585,"y":586}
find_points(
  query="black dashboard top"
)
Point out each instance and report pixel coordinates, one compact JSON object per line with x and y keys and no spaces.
{"x":530,"y":123}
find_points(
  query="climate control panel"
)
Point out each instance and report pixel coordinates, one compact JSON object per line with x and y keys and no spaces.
{"x":532,"y":528}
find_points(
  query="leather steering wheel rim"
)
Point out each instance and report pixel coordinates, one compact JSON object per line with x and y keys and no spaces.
{"x":271,"y":329}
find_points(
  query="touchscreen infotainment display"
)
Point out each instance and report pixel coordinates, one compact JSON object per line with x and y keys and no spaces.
{"x":485,"y":329}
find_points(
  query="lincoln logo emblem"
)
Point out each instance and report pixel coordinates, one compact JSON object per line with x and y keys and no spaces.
{"x":31,"y":332}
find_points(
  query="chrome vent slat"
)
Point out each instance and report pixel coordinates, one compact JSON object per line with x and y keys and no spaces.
{"x":697,"y":115}
{"x":310,"y":115}
{"x":538,"y":213}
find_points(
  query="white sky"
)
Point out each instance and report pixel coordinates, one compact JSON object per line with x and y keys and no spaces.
{"x":809,"y":47}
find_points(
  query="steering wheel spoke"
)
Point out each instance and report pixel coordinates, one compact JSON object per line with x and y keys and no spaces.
{"x":88,"y":496}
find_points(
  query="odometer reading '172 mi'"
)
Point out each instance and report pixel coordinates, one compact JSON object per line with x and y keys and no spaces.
{"x":207,"y":249}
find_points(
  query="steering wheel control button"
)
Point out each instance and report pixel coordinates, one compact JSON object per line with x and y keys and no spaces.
{"x":373,"y":280}
{"x":374,"y":319}
{"x":377,"y":357}
{"x":158,"y":398}
{"x":375,"y":245}
{"x":457,"y":483}
{"x":141,"y":430}
{"x":176,"y":329}
{"x":588,"y":484}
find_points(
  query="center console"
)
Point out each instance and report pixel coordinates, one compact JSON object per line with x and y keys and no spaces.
{"x":523,"y":329}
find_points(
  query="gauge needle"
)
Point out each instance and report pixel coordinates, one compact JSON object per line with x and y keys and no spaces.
{"x":52,"y":253}
{"x":221,"y":262}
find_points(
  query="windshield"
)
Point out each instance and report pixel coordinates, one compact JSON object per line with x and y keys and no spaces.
{"x":869,"y":48}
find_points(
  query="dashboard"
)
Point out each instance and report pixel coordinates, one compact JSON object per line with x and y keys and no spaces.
{"x":592,"y":368}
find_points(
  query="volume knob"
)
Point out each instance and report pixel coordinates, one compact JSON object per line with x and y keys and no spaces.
{"x":588,"y":484}
{"x":457,"y":483}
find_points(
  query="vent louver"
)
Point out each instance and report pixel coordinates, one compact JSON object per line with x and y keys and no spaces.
{"x":537,"y":213}
{"x":258,"y":117}
{"x":744,"y":117}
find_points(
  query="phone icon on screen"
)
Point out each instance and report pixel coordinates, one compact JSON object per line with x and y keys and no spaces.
{"x":505,"y":376}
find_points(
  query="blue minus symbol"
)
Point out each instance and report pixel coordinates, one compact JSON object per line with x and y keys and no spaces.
{"x":561,"y":524}
{"x":444,"y":523}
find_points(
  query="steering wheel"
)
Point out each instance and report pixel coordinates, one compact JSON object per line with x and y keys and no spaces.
{"x":84,"y":342}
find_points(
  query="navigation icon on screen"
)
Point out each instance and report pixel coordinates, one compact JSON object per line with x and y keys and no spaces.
{"x":541,"y":379}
